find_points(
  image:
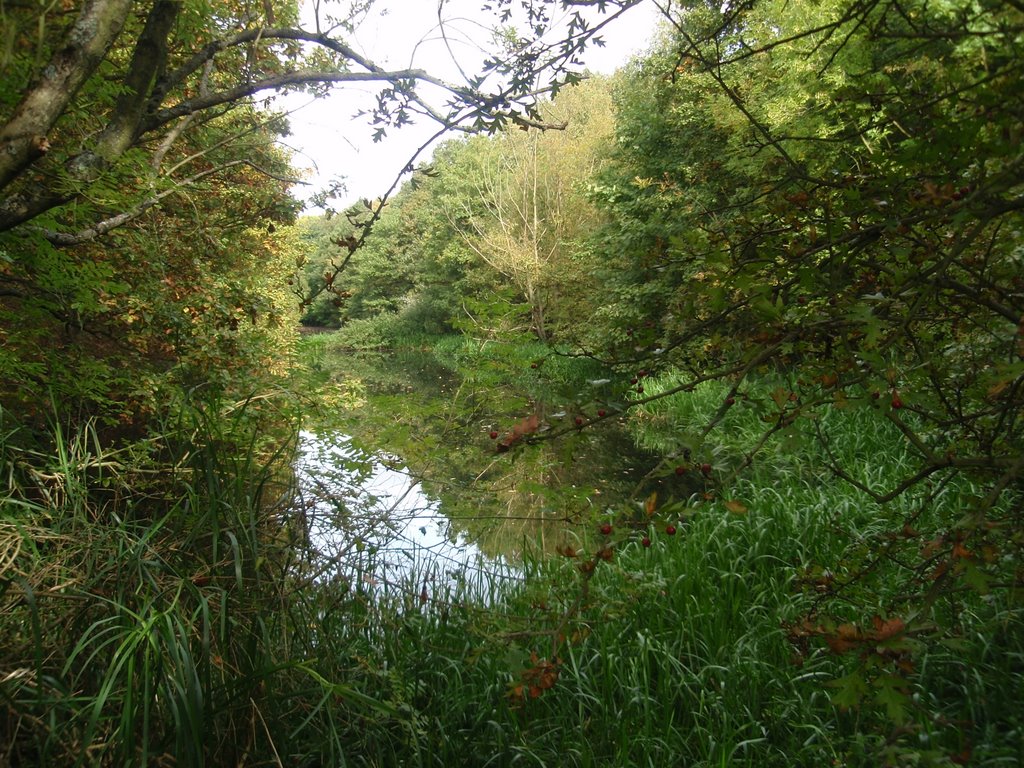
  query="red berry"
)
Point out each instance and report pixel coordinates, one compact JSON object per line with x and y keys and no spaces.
{"x":670,"y":530}
{"x":494,"y":435}
{"x":730,"y":401}
{"x":680,"y":470}
{"x":640,"y":389}
{"x":646,"y":541}
{"x":579,"y":421}
{"x":606,"y":529}
{"x":896,"y":401}
{"x":533,"y":365}
{"x":705,"y":468}
{"x":602,"y":413}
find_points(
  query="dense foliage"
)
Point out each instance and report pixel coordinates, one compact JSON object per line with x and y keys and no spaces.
{"x":148,"y":398}
{"x":826,"y":195}
{"x":779,"y":254}
{"x":840,"y":203}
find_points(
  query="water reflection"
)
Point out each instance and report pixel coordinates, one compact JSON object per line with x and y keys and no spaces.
{"x":369,"y":522}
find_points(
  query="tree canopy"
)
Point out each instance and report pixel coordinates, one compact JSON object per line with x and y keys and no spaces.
{"x":142,"y":177}
{"x":781,"y":250}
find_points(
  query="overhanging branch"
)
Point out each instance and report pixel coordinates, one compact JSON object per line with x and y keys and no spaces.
{"x":107,"y":225}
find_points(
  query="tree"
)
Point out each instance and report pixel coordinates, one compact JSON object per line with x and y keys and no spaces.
{"x":525,"y":207}
{"x":123,"y":126}
{"x":830,"y":194}
{"x":143,"y":324}
{"x":179,"y":67}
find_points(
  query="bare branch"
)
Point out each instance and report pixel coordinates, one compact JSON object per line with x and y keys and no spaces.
{"x":300,"y":77}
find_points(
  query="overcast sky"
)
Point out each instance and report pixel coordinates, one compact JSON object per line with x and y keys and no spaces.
{"x":330,"y":142}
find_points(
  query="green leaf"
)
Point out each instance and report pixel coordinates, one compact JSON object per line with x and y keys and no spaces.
{"x":890,"y":692}
{"x":975,"y":577}
{"x":849,"y":690}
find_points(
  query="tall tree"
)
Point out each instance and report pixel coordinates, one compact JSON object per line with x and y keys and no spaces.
{"x":526,"y":207}
{"x":134,"y":154}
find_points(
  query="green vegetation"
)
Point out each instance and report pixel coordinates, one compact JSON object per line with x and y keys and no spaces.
{"x":719,"y":361}
{"x":685,"y":632}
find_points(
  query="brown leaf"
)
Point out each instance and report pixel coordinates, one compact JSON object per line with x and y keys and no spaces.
{"x":651,"y":504}
{"x":997,"y":389}
{"x":887,"y":628}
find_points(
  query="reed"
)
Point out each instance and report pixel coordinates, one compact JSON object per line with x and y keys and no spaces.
{"x":158,"y":608}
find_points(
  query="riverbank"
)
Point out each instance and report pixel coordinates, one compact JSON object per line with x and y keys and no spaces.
{"x":165,"y":599}
{"x":679,"y":624}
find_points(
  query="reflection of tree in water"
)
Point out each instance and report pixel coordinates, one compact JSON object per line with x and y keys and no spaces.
{"x":539,"y":496}
{"x":533,"y":496}
{"x":369,"y":525}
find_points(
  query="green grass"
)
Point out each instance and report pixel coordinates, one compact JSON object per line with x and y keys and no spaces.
{"x":144,"y":615}
{"x":681,"y":654}
{"x":158,"y":607}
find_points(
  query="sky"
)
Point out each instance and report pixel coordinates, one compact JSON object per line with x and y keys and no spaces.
{"x":331,"y":142}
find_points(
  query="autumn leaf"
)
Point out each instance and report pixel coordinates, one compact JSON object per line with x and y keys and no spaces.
{"x":737,"y":507}
{"x":651,"y":503}
{"x":887,"y":628}
{"x":846,"y":638}
{"x":780,"y":396}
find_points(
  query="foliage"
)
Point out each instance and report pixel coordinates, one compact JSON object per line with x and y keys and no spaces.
{"x":170,"y":553}
{"x":813,"y":216}
{"x":797,"y":275}
{"x":482,"y":239}
{"x":830,"y":192}
{"x":142,"y":182}
{"x":154,"y":609}
{"x":525,"y":206}
{"x":669,"y":630}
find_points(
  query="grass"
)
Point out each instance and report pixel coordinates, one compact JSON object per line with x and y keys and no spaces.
{"x":156,"y":609}
{"x":139,"y":619}
{"x":682,"y":653}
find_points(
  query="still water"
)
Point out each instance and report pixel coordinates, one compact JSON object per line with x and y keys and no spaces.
{"x":478,"y":511}
{"x":369,"y":521}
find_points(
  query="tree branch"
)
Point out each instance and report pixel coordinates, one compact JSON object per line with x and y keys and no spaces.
{"x":109,"y":224}
{"x":23,"y":137}
{"x":276,"y":82}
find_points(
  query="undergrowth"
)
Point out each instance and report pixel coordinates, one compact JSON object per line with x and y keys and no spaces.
{"x":159,"y":607}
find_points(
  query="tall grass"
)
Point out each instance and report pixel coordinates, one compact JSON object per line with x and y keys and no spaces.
{"x":155,"y":610}
{"x":680,"y":653}
{"x":149,"y":614}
